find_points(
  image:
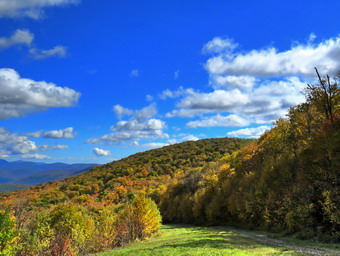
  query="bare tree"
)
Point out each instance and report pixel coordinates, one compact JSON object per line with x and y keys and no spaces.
{"x":324,"y":94}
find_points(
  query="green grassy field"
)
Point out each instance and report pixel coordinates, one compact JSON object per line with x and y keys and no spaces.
{"x":184,"y":240}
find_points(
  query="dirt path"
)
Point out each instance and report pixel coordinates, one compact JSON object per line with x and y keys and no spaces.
{"x":276,"y":242}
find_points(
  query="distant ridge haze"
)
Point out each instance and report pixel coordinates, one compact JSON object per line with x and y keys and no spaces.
{"x":33,"y":173}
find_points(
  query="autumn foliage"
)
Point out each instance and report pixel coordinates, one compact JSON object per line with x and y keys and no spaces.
{"x":287,"y":180}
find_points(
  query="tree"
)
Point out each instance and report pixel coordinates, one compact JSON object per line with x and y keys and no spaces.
{"x":8,"y":234}
{"x":138,"y":220}
{"x":326,"y":94}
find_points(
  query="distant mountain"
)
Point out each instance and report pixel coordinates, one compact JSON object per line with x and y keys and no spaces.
{"x":33,"y":173}
{"x":51,"y":175}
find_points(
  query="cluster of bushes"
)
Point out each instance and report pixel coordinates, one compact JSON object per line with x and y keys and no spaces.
{"x":70,"y":229}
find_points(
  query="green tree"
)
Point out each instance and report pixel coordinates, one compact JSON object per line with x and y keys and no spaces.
{"x":8,"y":234}
{"x":138,"y":220}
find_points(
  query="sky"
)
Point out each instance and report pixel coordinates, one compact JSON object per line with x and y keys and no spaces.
{"x":95,"y":81}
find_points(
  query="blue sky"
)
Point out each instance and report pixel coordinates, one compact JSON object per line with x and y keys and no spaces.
{"x":95,"y":81}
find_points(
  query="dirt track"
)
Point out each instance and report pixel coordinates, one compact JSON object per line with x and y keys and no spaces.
{"x":276,"y":242}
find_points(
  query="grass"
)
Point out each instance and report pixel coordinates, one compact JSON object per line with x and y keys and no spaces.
{"x":188,"y":240}
{"x":299,"y":242}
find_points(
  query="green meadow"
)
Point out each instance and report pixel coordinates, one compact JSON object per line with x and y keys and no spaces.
{"x":187,"y":240}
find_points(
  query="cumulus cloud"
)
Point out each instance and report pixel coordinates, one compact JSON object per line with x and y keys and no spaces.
{"x":120,"y":111}
{"x":57,"y":51}
{"x":217,"y":45}
{"x":20,"y":36}
{"x":136,"y":125}
{"x":21,"y":96}
{"x":29,"y":8}
{"x":299,"y":60}
{"x":244,"y":83}
{"x":216,"y":101}
{"x":145,"y":113}
{"x":66,"y":133}
{"x":263,"y":104}
{"x":219,"y":120}
{"x":15,"y":144}
{"x":101,"y":152}
{"x":140,"y":126}
{"x":249,"y":132}
{"x":259,"y":85}
{"x":175,"y":93}
{"x":25,"y":37}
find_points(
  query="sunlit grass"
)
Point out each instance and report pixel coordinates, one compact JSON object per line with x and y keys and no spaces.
{"x":184,"y":240}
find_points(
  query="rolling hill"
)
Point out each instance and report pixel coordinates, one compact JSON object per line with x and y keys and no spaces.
{"x":150,"y":170}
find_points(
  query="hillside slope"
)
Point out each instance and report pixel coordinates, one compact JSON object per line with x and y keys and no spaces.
{"x":148,"y":171}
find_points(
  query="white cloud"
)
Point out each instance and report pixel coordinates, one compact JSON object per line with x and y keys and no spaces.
{"x":25,"y":37}
{"x":258,"y":85}
{"x":187,"y":112}
{"x":299,"y":60}
{"x":15,"y":144}
{"x":218,"y":44}
{"x":135,"y":125}
{"x":57,"y":51}
{"x":244,"y":83}
{"x":29,"y":8}
{"x":175,"y":93}
{"x":66,"y":133}
{"x":36,"y":156}
{"x":101,"y":152}
{"x":134,"y":73}
{"x":20,"y":36}
{"x":51,"y":147}
{"x":154,"y":145}
{"x":21,"y":96}
{"x":139,"y":127}
{"x":120,"y":111}
{"x":264,"y":103}
{"x":216,"y":101}
{"x":219,"y":120}
{"x":145,"y":113}
{"x":249,"y":132}
{"x":189,"y":138}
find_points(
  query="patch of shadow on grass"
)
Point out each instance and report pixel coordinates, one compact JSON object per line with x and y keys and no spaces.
{"x":215,"y":242}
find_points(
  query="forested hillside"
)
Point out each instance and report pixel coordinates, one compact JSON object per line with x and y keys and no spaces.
{"x":287,"y":180}
{"x":107,"y":206}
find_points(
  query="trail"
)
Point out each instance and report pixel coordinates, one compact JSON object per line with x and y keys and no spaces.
{"x":276,"y":242}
